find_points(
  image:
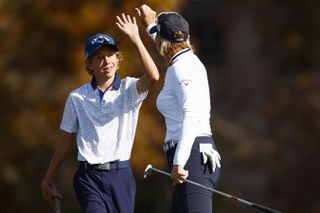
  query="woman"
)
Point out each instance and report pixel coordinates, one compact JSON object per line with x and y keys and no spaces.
{"x":184,"y":102}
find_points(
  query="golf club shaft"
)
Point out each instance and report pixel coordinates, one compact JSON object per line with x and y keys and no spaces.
{"x":255,"y":205}
{"x":57,"y":206}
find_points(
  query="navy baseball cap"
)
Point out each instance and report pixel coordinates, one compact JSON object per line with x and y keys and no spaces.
{"x":96,"y":41}
{"x":173,"y":27}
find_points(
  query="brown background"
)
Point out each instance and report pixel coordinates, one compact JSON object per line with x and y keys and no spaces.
{"x":263,"y":65}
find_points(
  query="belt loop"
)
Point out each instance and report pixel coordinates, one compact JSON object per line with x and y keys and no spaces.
{"x":85,"y":165}
{"x":117,"y":165}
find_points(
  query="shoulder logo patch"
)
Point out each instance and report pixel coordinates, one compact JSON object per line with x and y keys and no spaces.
{"x":185,"y":82}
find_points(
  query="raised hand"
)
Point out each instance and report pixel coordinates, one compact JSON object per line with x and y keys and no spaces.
{"x":128,"y":25}
{"x":147,"y":15}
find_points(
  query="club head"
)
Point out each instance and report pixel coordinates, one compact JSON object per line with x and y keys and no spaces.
{"x":147,"y":171}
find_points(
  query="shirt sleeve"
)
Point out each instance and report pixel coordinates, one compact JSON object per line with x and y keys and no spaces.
{"x":184,"y":88}
{"x":69,"y":121}
{"x":152,"y":33}
{"x":134,"y":98}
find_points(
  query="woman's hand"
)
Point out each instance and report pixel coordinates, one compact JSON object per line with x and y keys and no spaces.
{"x":178,"y":174}
{"x":147,"y":15}
{"x":128,"y":25}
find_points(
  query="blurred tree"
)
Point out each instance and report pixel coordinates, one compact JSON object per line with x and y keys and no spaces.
{"x":262,"y":58}
{"x":263,"y":67}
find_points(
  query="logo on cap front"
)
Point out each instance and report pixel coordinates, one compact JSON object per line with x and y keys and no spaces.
{"x":100,"y":39}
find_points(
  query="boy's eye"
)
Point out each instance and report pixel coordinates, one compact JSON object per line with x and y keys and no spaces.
{"x":102,"y":56}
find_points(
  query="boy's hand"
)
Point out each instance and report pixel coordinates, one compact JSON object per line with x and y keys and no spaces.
{"x":50,"y":193}
{"x":128,"y":25}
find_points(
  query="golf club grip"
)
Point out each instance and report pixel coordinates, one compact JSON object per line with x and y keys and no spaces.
{"x":56,"y":201}
{"x":57,"y":207}
{"x":264,"y":208}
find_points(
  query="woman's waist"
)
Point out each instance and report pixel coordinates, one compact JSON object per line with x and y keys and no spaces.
{"x":176,"y":136}
{"x":175,"y":131}
{"x":205,"y":138}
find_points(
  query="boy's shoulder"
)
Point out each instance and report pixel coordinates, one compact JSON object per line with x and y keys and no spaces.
{"x":83,"y":89}
{"x":127,"y":81}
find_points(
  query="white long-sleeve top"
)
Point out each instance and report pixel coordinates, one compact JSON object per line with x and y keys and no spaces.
{"x":185,"y":103}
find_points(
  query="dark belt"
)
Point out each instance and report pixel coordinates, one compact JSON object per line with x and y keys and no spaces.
{"x":169,"y":145}
{"x":106,"y":166}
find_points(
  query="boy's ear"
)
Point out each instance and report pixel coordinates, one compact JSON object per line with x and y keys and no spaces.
{"x":88,"y":63}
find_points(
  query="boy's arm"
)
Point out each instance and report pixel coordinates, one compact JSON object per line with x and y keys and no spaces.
{"x":61,"y":151}
{"x":129,"y":26}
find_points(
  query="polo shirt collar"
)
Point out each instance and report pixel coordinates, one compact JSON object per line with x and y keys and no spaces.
{"x":116,"y":83}
{"x":172,"y":60}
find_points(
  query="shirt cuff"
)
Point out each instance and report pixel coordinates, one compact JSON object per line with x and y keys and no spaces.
{"x":152,"y":33}
{"x":150,"y":27}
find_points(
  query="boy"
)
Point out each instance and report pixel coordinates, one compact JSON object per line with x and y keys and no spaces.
{"x":101,"y":116}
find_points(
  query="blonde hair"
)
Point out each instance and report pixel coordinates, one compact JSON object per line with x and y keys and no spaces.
{"x":168,"y":48}
{"x":90,"y":72}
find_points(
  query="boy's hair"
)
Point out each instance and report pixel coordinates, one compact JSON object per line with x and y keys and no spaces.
{"x":90,"y":72}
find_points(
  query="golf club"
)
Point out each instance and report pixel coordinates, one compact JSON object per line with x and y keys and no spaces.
{"x":57,"y":201}
{"x":149,"y":170}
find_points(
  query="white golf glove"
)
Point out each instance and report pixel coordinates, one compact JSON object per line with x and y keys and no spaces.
{"x":209,"y":153}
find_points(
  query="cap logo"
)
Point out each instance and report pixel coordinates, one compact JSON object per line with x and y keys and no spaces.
{"x":100,"y":39}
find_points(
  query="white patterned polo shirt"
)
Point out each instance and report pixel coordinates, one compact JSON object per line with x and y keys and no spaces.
{"x":105,"y":123}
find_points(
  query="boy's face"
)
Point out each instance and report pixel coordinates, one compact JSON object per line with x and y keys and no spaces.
{"x":104,"y":62}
